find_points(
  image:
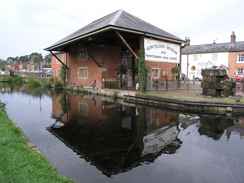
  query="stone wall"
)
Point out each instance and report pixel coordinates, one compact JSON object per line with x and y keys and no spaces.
{"x":215,"y":83}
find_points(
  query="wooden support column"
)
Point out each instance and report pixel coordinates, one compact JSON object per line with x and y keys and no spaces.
{"x":126,"y":44}
{"x":94,"y":60}
{"x":141,"y":43}
{"x":59,"y":60}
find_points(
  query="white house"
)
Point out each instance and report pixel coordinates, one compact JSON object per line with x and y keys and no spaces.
{"x":220,"y":55}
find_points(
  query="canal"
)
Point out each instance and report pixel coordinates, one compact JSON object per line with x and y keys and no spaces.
{"x":92,"y":139}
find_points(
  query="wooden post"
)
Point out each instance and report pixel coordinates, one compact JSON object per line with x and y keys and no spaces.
{"x":59,"y":60}
{"x":126,"y":44}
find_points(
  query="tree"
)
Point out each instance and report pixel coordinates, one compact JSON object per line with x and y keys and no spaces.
{"x":62,"y":74}
{"x":24,"y":58}
{"x":10,"y":59}
{"x":48,"y":58}
{"x":25,"y":67}
{"x":176,"y":70}
{"x":36,"y":58}
{"x":2,"y":65}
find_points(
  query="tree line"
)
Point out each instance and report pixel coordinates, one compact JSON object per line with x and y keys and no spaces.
{"x":35,"y":57}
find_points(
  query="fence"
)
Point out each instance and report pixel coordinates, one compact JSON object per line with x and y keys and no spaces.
{"x":160,"y":85}
{"x":31,"y":74}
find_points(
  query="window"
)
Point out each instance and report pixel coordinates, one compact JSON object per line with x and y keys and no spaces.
{"x":155,"y":73}
{"x":240,"y":58}
{"x":82,"y":72}
{"x":240,"y":71}
{"x":58,"y":72}
{"x":193,"y":68}
{"x":60,"y":57}
{"x":83,"y":108}
{"x":82,"y":53}
{"x":164,"y":74}
{"x":124,"y":61}
{"x":214,"y":56}
{"x":195,"y":57}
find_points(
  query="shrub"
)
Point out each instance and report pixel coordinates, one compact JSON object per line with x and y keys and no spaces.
{"x":18,"y":80}
{"x":46,"y":82}
{"x":10,"y":79}
{"x":58,"y":85}
{"x":33,"y":82}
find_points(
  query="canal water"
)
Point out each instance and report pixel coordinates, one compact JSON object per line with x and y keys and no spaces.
{"x":96,"y":139}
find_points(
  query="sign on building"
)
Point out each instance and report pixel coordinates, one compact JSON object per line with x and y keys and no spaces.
{"x":160,"y":51}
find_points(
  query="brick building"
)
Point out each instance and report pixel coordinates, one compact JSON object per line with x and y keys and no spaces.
{"x":107,"y":49}
{"x":56,"y":64}
{"x":229,"y":56}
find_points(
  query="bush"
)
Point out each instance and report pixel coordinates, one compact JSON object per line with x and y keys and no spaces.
{"x":10,"y":79}
{"x":34,"y":82}
{"x":58,"y":85}
{"x":2,"y":106}
{"x":46,"y":82}
{"x":18,"y":80}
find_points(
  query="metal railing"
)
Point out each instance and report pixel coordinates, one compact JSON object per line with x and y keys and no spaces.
{"x":160,"y":85}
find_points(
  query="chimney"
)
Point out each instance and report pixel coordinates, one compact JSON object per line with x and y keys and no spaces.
{"x":233,"y":37}
{"x":187,"y":41}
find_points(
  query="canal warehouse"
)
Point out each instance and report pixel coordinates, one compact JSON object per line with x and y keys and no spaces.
{"x":107,"y":49}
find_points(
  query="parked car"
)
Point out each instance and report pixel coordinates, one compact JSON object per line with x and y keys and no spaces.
{"x":198,"y":78}
{"x":182,"y":76}
{"x":240,"y":78}
{"x":49,"y":73}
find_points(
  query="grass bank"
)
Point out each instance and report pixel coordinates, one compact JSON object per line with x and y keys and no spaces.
{"x":195,"y":96}
{"x":19,"y":162}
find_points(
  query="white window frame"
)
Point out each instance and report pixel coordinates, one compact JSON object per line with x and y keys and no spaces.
{"x":195,"y":57}
{"x":83,"y":108}
{"x":58,"y":72}
{"x":214,"y":56}
{"x":124,"y":61}
{"x":155,"y":73}
{"x":82,"y":53}
{"x":83,"y":75}
{"x":240,"y":58}
{"x":239,"y":71}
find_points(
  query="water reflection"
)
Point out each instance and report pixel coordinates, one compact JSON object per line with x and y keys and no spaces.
{"x":146,"y":144}
{"x":114,"y":137}
{"x":215,"y":127}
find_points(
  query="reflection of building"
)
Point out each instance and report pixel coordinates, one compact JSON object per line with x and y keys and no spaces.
{"x":159,"y":139}
{"x":214,"y":127}
{"x":110,"y":135}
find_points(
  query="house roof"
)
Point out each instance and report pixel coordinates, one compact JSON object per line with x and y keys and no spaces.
{"x":214,"y":48}
{"x":119,"y":20}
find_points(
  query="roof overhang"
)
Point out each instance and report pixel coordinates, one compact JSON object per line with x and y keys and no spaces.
{"x":57,"y":46}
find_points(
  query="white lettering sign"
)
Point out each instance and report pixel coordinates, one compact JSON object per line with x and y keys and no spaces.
{"x":161,"y":51}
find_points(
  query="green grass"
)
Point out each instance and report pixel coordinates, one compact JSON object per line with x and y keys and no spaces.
{"x":194,"y":96}
{"x":20,"y":163}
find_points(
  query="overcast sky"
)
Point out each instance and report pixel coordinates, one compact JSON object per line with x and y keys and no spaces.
{"x":28,"y":26}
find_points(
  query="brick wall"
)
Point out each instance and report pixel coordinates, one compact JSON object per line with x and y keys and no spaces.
{"x":162,"y":66}
{"x":109,"y":57}
{"x":56,"y":65}
{"x":233,"y":65}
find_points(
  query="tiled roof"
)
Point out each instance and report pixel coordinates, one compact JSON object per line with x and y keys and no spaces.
{"x":214,"y":48}
{"x":118,"y":19}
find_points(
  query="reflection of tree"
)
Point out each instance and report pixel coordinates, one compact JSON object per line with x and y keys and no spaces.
{"x":63,"y":102}
{"x":214,"y":127}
